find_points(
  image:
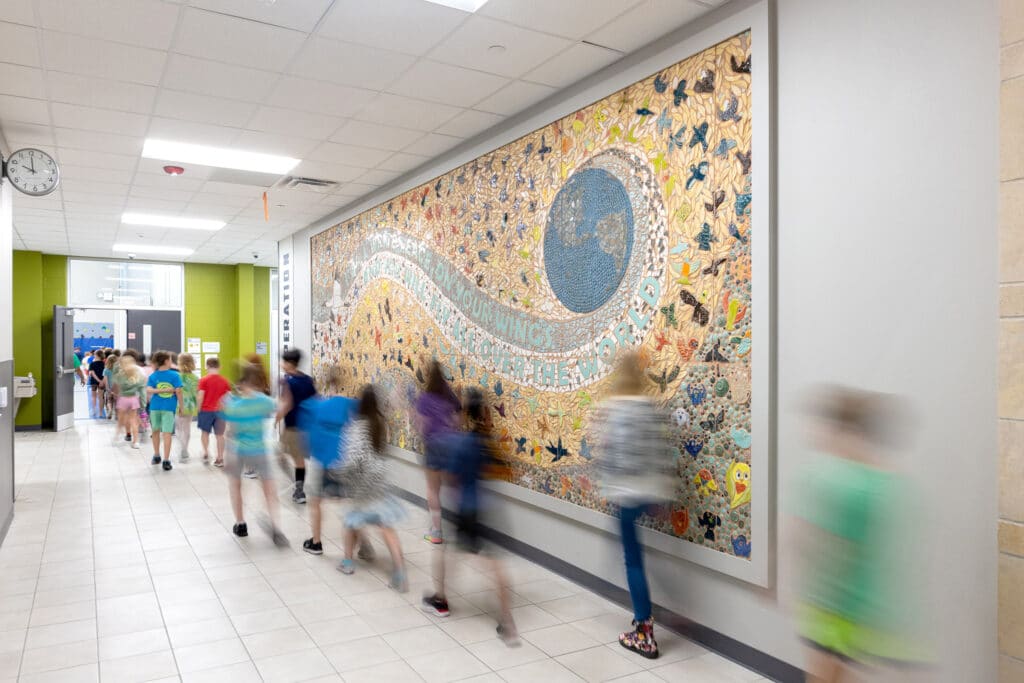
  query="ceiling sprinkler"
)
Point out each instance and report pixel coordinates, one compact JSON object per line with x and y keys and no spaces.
{"x":173,"y":170}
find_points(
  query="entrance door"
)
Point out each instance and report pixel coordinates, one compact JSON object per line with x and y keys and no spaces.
{"x":150,"y":331}
{"x":64,"y":368}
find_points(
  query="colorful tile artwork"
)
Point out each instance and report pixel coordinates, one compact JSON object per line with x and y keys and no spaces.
{"x":528,"y":270}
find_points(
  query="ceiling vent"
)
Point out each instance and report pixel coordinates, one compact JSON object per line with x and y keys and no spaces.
{"x":292,"y":182}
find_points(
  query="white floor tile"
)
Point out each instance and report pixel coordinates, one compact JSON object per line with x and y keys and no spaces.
{"x":87,"y":673}
{"x":497,"y":655}
{"x":295,"y":666}
{"x":359,"y":654}
{"x":339,"y":630}
{"x":599,"y":664}
{"x":547,"y":670}
{"x":450,"y":665}
{"x":145,"y":667}
{"x":58,"y":634}
{"x":559,"y":640}
{"x":419,"y":641}
{"x":66,"y":656}
{"x":196,"y":632}
{"x":707,"y":667}
{"x":210,"y":655}
{"x":392,"y":672}
{"x":263,"y":620}
{"x":131,"y":644}
{"x":59,"y":614}
{"x":243,"y":672}
{"x":273,"y":643}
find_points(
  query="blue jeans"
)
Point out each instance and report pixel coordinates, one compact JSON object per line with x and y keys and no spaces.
{"x":635,"y":576}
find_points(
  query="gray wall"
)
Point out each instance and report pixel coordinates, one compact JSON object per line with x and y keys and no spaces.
{"x":6,"y":358}
{"x":886,"y":271}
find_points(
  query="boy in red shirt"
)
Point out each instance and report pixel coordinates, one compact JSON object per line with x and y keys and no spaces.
{"x":212,"y":389}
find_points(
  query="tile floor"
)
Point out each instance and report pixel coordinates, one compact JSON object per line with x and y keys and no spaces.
{"x":116,"y":571}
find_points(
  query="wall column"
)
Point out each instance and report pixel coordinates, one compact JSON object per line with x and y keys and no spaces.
{"x":245,"y":288}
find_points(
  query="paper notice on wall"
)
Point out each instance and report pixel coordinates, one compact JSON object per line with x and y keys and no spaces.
{"x":131,"y":336}
{"x":261,"y":348}
{"x":211,"y":347}
{"x":193,"y":344}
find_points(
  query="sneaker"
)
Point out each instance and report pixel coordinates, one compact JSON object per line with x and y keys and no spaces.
{"x":435,"y":605}
{"x":127,"y":437}
{"x":278,"y":537}
{"x":184,"y":457}
{"x":250,"y":474}
{"x":434,"y":536}
{"x":313,"y":548}
{"x":366,"y":552}
{"x":508,"y":634}
{"x":167,"y":465}
{"x":241,"y":529}
{"x":135,"y":446}
{"x":641,"y":639}
{"x":398,"y":582}
{"x":218,"y":463}
{"x":347,"y":566}
{"x":155,"y":460}
{"x":206,"y":458}
{"x":299,"y":496}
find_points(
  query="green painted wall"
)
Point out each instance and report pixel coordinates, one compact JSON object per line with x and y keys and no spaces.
{"x":41,"y":283}
{"x":230,"y":305}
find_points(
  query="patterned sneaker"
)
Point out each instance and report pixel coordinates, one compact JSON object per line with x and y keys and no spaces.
{"x":347,"y":566}
{"x":156,"y":459}
{"x":313,"y":548}
{"x":241,"y":529}
{"x":299,"y":496}
{"x":436,"y":606}
{"x":250,"y":473}
{"x":641,"y":640}
{"x":434,"y":536}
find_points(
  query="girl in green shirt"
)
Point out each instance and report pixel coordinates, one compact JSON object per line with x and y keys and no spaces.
{"x":189,"y":407}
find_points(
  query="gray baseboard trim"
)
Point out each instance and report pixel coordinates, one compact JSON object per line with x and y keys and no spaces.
{"x":5,"y":527}
{"x":28,"y":428}
{"x":730,"y":648}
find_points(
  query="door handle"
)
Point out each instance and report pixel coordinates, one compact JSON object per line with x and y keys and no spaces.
{"x":61,"y":371}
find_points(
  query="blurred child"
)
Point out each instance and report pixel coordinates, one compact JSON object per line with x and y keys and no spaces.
{"x":109,"y":386}
{"x":637,"y":471}
{"x":212,"y":389}
{"x":131,"y":390}
{"x":246,"y":414}
{"x":188,"y":408}
{"x":96,"y":368}
{"x":472,"y":456}
{"x":296,"y":387}
{"x":436,"y":409}
{"x":365,"y":475}
{"x":164,"y":390}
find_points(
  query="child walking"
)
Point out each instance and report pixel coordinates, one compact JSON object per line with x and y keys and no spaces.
{"x":164,"y":390}
{"x":247,"y":413}
{"x":212,"y":389}
{"x":131,"y":384}
{"x":96,"y":368}
{"x":365,"y":476}
{"x":188,"y":409}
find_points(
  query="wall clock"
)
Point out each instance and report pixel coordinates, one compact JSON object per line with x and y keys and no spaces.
{"x":32,"y":171}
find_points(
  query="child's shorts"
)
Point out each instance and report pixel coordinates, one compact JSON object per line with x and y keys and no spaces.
{"x":236,"y":463}
{"x":211,"y":421}
{"x":128,"y":403}
{"x":162,"y":421}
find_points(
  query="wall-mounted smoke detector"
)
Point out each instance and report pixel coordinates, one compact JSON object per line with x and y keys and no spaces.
{"x":292,"y":182}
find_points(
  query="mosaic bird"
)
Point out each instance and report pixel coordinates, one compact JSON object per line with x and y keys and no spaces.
{"x":585,"y":451}
{"x":705,"y":482}
{"x":697,"y":174}
{"x":700,"y":136}
{"x":705,"y":237}
{"x":677,"y":140}
{"x":709,"y":521}
{"x":724,"y":145}
{"x":715,"y":355}
{"x":731,"y":111}
{"x":670,"y":315}
{"x":679,"y":94}
{"x":714,"y":421}
{"x":544,"y":148}
{"x":741,"y":546}
{"x":664,"y":379}
{"x":717,"y":198}
{"x":737,"y":484}
{"x":660,"y":84}
{"x":742,"y":203}
{"x":744,"y":159}
{"x":740,"y":437}
{"x":559,"y":451}
{"x":701,"y":315}
{"x":499,"y":389}
{"x":706,"y":83}
{"x":521,"y":445}
{"x":738,"y":66}
{"x":664,"y":122}
{"x":644,"y":112}
{"x":660,"y":341}
{"x":716,"y":265}
{"x":693,"y":446}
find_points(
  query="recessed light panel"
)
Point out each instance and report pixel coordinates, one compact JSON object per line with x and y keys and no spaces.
{"x":222,"y":157}
{"x":464,"y":5}
{"x":171,"y":221}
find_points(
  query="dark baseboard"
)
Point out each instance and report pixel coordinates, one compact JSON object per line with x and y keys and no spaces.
{"x":28,"y":428}
{"x":730,"y":648}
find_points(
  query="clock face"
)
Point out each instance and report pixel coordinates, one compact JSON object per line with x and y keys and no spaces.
{"x":33,"y":172}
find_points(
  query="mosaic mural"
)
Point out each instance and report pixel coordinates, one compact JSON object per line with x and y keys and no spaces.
{"x":625,"y":225}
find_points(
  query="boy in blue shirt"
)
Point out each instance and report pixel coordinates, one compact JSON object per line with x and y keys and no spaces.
{"x":164,"y":391}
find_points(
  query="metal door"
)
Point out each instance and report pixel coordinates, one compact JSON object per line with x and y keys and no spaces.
{"x":64,"y":373}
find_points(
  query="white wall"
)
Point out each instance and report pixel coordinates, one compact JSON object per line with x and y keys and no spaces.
{"x":886,"y":272}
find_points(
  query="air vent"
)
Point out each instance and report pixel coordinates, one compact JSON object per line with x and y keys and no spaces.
{"x":299,"y":183}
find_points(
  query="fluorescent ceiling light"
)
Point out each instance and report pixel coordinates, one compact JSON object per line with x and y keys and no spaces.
{"x":171,"y":221}
{"x":221,"y":157}
{"x":153,"y":249}
{"x":464,"y":5}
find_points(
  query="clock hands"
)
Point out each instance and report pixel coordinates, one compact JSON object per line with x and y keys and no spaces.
{"x":32,"y":165}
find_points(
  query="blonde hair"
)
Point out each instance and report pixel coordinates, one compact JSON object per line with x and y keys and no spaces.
{"x":130,"y":369}
{"x":628,"y":379}
{"x":186,"y":363}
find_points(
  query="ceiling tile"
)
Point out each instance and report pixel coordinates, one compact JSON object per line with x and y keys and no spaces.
{"x":322,"y":98}
{"x":411,"y":26}
{"x":23,"y":109}
{"x":188,"y":106}
{"x":236,"y":41}
{"x":226,"y":200}
{"x":146,"y":23}
{"x":97,"y":141}
{"x":213,"y":187}
{"x":395,"y":110}
{"x":18,"y":12}
{"x":92,"y":57}
{"x":645,"y":23}
{"x":569,"y":18}
{"x":374,"y":135}
{"x":104,"y":120}
{"x":349,"y":64}
{"x":322,"y":170}
{"x":521,"y":49}
{"x":72,"y":185}
{"x":446,"y":83}
{"x":349,"y":155}
{"x":271,"y":143}
{"x":373,"y":178}
{"x":192,"y":131}
{"x":292,"y":122}
{"x":402,"y":162}
{"x":301,"y":15}
{"x":150,"y":174}
{"x":94,"y":198}
{"x":100,"y":92}
{"x":207,"y":77}
{"x":514,"y":98}
{"x":578,"y":61}
{"x":22,"y":81}
{"x":103,"y":175}
{"x":18,"y":44}
{"x":149,"y":205}
{"x":30,"y":133}
{"x":86,"y":158}
{"x":433,"y":144}
{"x":143,"y":192}
{"x":469,"y":123}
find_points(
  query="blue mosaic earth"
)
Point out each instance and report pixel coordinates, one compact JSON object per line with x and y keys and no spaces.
{"x":588,"y":240}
